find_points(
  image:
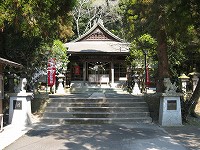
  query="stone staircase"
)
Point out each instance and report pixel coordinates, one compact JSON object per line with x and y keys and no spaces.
{"x":100,"y":107}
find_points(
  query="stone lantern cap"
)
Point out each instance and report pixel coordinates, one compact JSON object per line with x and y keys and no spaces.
{"x":183,"y":77}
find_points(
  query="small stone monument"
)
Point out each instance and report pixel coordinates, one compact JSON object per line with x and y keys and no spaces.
{"x":20,"y":105}
{"x":170,"y":106}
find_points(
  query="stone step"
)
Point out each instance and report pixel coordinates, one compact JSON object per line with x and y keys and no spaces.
{"x":100,"y":104}
{"x":96,"y":109}
{"x":95,"y":114}
{"x":96,"y":100}
{"x":96,"y":120}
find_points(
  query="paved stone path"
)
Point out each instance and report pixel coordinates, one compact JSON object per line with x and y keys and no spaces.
{"x":96,"y":137}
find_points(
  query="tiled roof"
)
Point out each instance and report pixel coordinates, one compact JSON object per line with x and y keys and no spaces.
{"x":97,"y":46}
{"x":98,"y":39}
{"x":99,"y":25}
{"x":10,"y":63}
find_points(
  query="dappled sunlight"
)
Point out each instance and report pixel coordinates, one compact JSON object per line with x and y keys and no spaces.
{"x":97,"y":137}
{"x":189,"y":138}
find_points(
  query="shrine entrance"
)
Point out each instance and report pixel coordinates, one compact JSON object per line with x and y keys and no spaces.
{"x":97,"y":57}
{"x":98,"y":72}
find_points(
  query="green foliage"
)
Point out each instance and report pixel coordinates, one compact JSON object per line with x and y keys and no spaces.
{"x":142,"y":45}
{"x":179,"y":21}
{"x":60,"y":53}
{"x":35,"y":17}
{"x":28,"y":29}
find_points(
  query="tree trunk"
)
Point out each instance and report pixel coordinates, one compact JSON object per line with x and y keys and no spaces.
{"x":193,"y":102}
{"x":163,"y":64}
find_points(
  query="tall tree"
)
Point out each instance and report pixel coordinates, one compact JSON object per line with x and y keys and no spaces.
{"x":165,"y":21}
{"x":28,"y":27}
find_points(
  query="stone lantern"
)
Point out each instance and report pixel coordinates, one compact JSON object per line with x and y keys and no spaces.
{"x":184,"y":79}
{"x":60,"y":89}
{"x":136,"y":89}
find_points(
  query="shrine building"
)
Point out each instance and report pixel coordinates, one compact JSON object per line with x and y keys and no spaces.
{"x":97,"y":57}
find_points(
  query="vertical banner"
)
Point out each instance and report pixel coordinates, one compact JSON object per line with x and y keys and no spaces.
{"x":51,"y":71}
{"x":147,"y":77}
{"x":77,"y":70}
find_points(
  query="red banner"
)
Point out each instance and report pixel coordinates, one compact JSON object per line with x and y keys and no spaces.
{"x":51,"y":71}
{"x":77,"y":70}
{"x":147,"y":77}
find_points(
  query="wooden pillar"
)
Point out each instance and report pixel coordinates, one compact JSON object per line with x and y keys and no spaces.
{"x":112,"y":74}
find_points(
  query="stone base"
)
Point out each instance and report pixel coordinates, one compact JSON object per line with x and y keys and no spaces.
{"x":170,"y":111}
{"x":20,"y":109}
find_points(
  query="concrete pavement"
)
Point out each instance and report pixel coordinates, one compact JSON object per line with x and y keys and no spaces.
{"x":96,"y":137}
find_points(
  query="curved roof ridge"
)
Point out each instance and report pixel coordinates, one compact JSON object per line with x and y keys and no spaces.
{"x":100,"y":24}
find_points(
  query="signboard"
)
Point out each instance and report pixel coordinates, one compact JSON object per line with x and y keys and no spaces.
{"x":51,"y":71}
{"x":171,"y":105}
{"x":17,"y":104}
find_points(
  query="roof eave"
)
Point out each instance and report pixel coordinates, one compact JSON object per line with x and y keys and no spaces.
{"x":10,"y":63}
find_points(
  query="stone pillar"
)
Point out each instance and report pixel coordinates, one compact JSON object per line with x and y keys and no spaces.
{"x":112,"y":74}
